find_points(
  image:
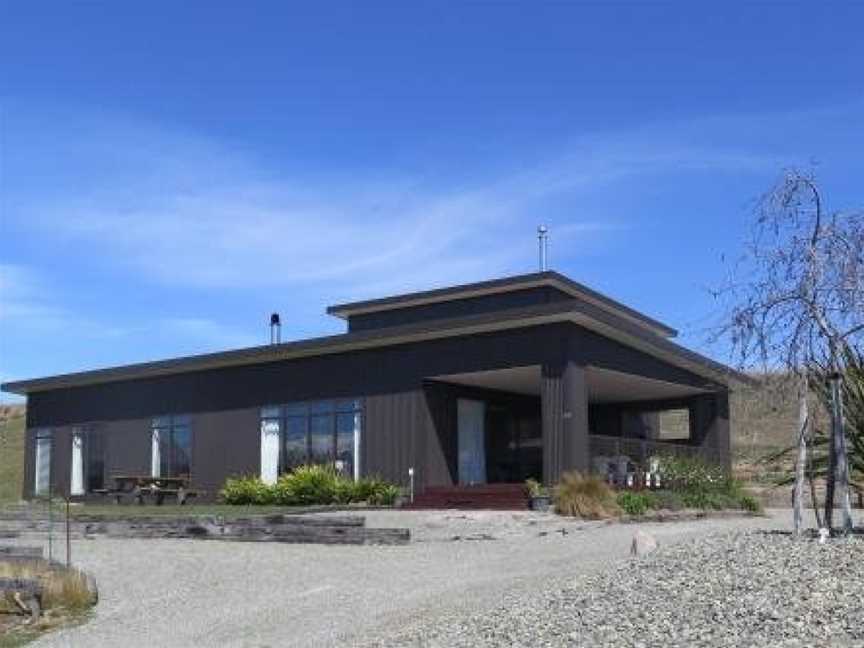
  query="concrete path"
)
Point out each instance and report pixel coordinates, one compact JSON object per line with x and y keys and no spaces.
{"x":178,"y":593}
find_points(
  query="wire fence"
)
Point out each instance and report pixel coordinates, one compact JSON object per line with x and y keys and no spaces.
{"x":43,"y":522}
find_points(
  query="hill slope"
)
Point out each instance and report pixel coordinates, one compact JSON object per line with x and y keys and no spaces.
{"x":11,"y":453}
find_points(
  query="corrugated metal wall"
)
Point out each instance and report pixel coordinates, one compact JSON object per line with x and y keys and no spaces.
{"x":408,"y":422}
{"x":393,"y":431}
{"x":552,"y":404}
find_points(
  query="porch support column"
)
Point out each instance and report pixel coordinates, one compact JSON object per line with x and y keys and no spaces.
{"x":564,"y":402}
{"x":576,"y":443}
{"x":711,"y":427}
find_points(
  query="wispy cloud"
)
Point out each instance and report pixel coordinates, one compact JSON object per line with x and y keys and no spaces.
{"x":202,"y":227}
{"x":229,"y":223}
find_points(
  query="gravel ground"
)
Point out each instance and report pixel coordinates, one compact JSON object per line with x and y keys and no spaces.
{"x":178,"y":593}
{"x":741,"y":589}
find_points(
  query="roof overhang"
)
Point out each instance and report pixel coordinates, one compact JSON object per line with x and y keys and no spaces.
{"x":498,"y":286}
{"x":566,"y":311}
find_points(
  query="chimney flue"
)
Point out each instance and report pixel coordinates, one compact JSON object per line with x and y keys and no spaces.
{"x":275,"y":329}
{"x":542,"y":240}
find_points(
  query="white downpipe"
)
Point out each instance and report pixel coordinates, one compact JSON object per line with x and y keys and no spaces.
{"x":156,"y":460}
{"x":358,"y":425}
{"x":76,"y":486}
{"x":269,"y":451}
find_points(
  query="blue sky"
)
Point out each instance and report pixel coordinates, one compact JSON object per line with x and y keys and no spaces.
{"x":170,"y":175}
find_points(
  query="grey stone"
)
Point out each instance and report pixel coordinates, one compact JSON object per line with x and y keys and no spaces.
{"x":643,"y":543}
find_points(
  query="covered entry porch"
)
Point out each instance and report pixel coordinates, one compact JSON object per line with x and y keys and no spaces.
{"x":507,"y":425}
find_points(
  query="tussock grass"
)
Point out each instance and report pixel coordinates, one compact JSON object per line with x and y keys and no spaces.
{"x":585,"y":497}
{"x":63,"y":589}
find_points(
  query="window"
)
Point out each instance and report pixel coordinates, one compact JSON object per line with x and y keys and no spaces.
{"x":674,"y":424}
{"x":42,"y":482}
{"x":94,"y":470}
{"x":88,"y":460}
{"x":319,"y":432}
{"x":171,"y":446}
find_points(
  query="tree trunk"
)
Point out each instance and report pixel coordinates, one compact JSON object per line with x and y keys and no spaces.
{"x":841,"y":459}
{"x":801,"y":464}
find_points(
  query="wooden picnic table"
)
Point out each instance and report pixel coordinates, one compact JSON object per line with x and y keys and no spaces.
{"x":142,"y":486}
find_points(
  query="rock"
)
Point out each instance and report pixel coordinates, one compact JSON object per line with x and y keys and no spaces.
{"x":643,"y":544}
{"x":729,"y":590}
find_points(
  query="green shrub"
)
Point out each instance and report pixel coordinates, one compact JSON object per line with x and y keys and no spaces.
{"x":383,"y":495}
{"x":587,"y":497}
{"x":307,"y":486}
{"x":689,"y":473}
{"x":636,"y":502}
{"x":246,"y":490}
{"x":346,"y":491}
{"x":702,"y":485}
{"x":667,"y":500}
{"x":749,"y":503}
{"x":534,"y":488}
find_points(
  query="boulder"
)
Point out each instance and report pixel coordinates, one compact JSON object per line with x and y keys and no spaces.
{"x":643,"y":543}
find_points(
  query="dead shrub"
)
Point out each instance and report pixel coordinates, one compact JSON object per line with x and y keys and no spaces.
{"x":585,"y":496}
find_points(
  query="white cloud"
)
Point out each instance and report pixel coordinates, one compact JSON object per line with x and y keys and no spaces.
{"x":187,"y":212}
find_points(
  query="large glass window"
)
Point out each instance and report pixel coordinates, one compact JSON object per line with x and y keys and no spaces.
{"x":319,"y":432}
{"x":172,"y":446}
{"x":44,"y":441}
{"x":88,"y":460}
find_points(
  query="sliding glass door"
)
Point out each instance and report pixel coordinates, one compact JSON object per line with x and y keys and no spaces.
{"x":471,"y":432}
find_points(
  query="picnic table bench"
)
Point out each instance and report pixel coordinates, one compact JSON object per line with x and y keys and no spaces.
{"x":141,"y":487}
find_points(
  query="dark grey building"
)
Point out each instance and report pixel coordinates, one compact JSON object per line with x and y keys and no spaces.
{"x":497,"y":381}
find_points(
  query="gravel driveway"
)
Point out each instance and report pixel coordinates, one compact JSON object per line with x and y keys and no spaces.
{"x":195,"y":593}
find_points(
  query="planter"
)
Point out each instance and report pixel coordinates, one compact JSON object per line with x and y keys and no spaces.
{"x":541,"y":502}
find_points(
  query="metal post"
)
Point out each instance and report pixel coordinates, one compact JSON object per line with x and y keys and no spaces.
{"x":542,"y":233}
{"x":411,"y":484}
{"x":50,"y":527}
{"x":68,"y":538}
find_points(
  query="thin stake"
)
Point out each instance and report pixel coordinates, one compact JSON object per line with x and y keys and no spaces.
{"x":50,"y":528}
{"x":68,"y":539}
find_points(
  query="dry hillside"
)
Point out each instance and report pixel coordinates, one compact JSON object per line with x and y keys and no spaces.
{"x":11,"y":452}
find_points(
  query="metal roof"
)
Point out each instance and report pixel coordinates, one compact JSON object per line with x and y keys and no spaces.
{"x":584,"y":314}
{"x":506,"y":284}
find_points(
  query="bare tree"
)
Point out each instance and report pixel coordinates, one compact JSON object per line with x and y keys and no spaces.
{"x":796,"y":300}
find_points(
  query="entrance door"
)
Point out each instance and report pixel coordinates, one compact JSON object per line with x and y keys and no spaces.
{"x":471,"y":415}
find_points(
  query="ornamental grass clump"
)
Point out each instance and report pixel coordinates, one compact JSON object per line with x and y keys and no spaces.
{"x":310,"y":485}
{"x":63,"y":588}
{"x":307,"y":485}
{"x":585,"y":496}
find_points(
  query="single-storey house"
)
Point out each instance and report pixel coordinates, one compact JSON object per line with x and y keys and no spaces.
{"x":492,"y":382}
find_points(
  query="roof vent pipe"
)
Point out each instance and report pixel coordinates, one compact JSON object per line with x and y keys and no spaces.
{"x":275,"y":329}
{"x":543,"y":241}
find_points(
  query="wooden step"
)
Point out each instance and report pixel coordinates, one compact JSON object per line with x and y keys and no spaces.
{"x":475,"y":497}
